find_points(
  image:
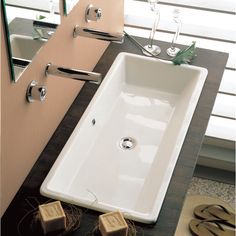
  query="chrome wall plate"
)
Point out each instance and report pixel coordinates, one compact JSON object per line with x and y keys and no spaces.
{"x":93,"y":13}
{"x":36,"y":92}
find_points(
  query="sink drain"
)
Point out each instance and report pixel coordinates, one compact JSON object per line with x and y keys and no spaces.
{"x":127,"y":143}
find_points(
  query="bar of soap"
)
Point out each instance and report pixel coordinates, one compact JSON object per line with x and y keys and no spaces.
{"x":52,"y":217}
{"x":113,"y":224}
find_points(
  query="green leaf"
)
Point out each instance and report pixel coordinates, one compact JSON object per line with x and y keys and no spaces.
{"x":184,"y":56}
{"x":40,"y":17}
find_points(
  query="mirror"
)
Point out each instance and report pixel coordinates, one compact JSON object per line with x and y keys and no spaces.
{"x":68,"y":5}
{"x":29,"y":25}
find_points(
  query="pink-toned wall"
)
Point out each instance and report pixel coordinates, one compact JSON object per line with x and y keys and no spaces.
{"x":27,"y":127}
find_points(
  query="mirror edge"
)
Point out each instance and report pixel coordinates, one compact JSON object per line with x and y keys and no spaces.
{"x":7,"y":35}
{"x":64,"y":8}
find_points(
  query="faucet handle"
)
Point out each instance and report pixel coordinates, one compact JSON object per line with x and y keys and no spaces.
{"x":93,"y":13}
{"x":36,"y":92}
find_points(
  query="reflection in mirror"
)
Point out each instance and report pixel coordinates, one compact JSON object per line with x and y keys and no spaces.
{"x":29,"y":25}
{"x":68,"y":5}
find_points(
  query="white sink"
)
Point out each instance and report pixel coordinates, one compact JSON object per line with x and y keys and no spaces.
{"x":152,"y":102}
{"x":24,"y":47}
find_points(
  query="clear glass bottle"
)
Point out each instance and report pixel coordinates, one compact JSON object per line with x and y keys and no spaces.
{"x":52,"y":10}
{"x":173,"y":50}
{"x":154,"y":49}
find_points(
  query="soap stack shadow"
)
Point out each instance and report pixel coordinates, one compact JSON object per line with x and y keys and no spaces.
{"x":132,"y":229}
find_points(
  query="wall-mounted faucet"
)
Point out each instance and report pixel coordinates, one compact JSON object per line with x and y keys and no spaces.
{"x":101,"y":35}
{"x":36,"y":92}
{"x":82,"y":75}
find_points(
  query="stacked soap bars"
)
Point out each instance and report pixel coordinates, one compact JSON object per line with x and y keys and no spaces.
{"x":113,"y":224}
{"x":52,"y":217}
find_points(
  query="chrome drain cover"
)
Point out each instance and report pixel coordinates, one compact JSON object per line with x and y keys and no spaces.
{"x":127,"y":143}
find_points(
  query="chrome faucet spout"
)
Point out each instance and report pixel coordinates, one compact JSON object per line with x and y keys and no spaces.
{"x":81,"y":75}
{"x":101,"y":35}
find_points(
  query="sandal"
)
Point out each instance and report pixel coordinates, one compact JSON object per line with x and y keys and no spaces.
{"x":218,"y":211}
{"x":208,"y":228}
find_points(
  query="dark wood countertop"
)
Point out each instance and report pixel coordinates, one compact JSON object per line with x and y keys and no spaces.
{"x":168,"y":218}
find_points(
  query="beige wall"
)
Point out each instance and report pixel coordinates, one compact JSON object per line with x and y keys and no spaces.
{"x":26,"y":128}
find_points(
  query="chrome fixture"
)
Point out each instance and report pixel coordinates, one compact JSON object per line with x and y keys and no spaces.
{"x":82,"y":75}
{"x":92,"y":33}
{"x":93,"y":13}
{"x":127,"y":143}
{"x":36,"y":92}
{"x":43,"y":30}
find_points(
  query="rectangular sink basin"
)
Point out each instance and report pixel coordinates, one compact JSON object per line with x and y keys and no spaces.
{"x":123,"y":151}
{"x":24,"y":47}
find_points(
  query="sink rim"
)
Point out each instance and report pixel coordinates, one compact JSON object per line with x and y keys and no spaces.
{"x":15,"y":46}
{"x":149,"y":218}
